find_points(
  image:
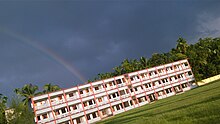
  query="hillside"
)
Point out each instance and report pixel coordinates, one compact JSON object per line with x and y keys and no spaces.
{"x":200,"y":105}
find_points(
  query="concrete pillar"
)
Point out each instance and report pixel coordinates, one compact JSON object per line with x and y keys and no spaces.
{"x":116,"y":95}
{"x":111,"y":96}
{"x":83,"y":119}
{"x":41,"y":117}
{"x":115,"y":108}
{"x":60,"y":112}
{"x":84,"y":91}
{"x":100,"y":114}
{"x":71,"y":108}
{"x":109,"y":111}
{"x":108,"y":86}
{"x":74,"y":121}
{"x":120,"y":106}
{"x":91,"y":116}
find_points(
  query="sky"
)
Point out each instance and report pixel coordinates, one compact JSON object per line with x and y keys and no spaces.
{"x":68,"y":42}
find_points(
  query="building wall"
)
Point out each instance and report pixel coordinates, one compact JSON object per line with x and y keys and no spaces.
{"x":97,"y":100}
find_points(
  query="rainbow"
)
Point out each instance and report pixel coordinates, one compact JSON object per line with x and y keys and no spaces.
{"x":53,"y":55}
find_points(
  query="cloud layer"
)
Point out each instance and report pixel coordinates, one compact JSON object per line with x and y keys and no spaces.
{"x":92,"y":37}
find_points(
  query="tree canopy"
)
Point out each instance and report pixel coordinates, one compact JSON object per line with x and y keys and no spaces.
{"x":204,"y":58}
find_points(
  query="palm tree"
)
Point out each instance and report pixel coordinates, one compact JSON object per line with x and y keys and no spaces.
{"x":50,"y":88}
{"x":143,"y":62}
{"x":126,"y":66}
{"x":181,"y":45}
{"x":27,"y":91}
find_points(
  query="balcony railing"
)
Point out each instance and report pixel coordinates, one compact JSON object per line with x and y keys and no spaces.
{"x":72,"y":98}
{"x":45,"y":105}
{"x":62,"y":115}
{"x":58,"y":102}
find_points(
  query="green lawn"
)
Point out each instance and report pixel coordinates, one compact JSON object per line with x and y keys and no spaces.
{"x":197,"y":106}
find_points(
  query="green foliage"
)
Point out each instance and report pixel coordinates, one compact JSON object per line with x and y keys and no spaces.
{"x":50,"y":88}
{"x":19,"y":113}
{"x":3,"y":101}
{"x":27,"y":91}
{"x":204,"y":58}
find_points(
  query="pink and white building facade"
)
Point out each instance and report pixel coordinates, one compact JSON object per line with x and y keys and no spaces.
{"x":95,"y":101}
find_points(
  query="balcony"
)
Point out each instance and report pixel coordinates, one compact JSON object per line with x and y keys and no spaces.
{"x":143,"y":103}
{"x":76,"y":111}
{"x":90,"y":106}
{"x":114,"y":99}
{"x":45,"y":120}
{"x":86,"y":94}
{"x":58,"y":102}
{"x":43,"y":110}
{"x":102,"y":103}
{"x":125,"y":96}
{"x":104,"y":106}
{"x":81,"y":113}
{"x":63,"y":118}
{"x":72,"y":98}
{"x":94,"y":120}
{"x":170,"y":94}
{"x":44,"y":105}
{"x":99,"y":91}
{"x":121,"y":85}
{"x":119,"y":111}
{"x":62,"y":115}
{"x":139,"y":91}
{"x":162,"y":96}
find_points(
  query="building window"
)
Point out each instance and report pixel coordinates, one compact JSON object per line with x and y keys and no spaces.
{"x":90,"y":102}
{"x":81,"y":92}
{"x":96,"y":88}
{"x":63,"y":110}
{"x":38,"y":118}
{"x":45,"y":116}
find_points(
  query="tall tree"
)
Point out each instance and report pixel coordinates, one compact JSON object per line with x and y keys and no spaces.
{"x":18,"y":113}
{"x":143,"y":62}
{"x":181,"y":45}
{"x":27,"y":91}
{"x":50,"y":88}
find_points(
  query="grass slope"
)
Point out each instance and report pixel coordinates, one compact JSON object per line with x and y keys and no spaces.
{"x":197,"y":106}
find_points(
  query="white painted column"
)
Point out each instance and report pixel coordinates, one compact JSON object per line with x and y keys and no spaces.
{"x":129,"y":103}
{"x":74,"y":121}
{"x":84,"y":92}
{"x":96,"y":113}
{"x":120,"y":106}
{"x":91,"y":116}
{"x":41,"y":117}
{"x":115,"y":108}
{"x":84,"y":119}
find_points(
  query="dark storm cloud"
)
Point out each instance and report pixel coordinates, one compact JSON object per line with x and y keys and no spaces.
{"x":93,"y":36}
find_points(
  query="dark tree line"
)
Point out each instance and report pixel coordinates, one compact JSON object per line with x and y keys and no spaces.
{"x":204,"y":58}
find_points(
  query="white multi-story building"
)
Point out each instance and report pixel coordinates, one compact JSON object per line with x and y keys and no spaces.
{"x":94,"y":101}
